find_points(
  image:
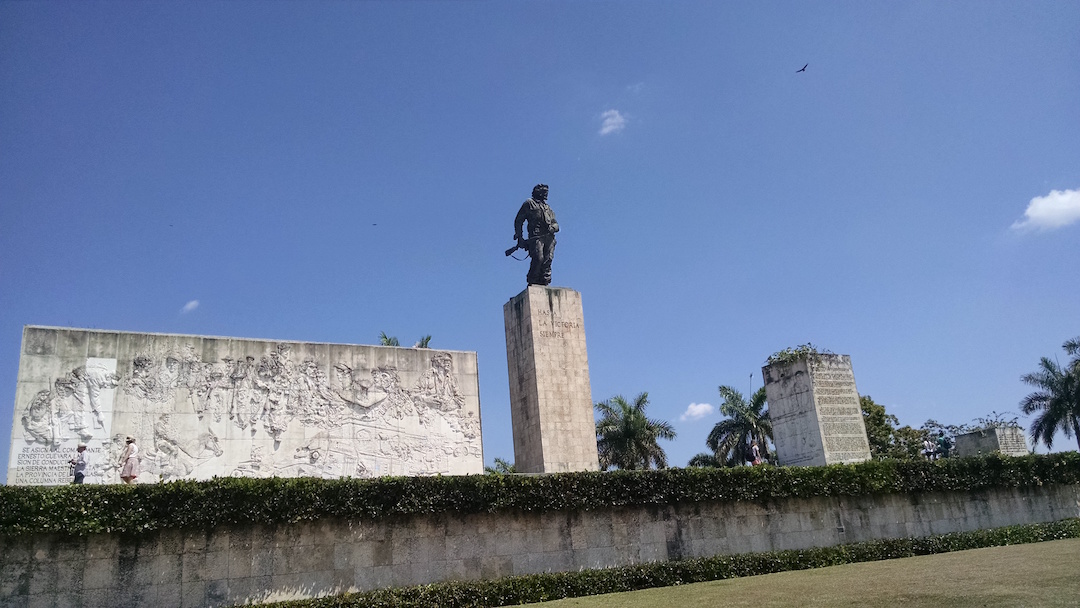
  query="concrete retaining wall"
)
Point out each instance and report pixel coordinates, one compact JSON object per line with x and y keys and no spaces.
{"x":256,"y":564}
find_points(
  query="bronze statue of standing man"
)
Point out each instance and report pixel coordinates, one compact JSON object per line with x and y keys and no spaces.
{"x":541,"y":240}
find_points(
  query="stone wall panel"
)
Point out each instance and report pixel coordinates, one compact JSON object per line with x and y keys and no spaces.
{"x":203,"y":406}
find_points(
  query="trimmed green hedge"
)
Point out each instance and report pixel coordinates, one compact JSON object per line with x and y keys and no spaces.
{"x":553,"y":586}
{"x":87,"y":509}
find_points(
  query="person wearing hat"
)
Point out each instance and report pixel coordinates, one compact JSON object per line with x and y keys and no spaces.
{"x":129,"y":461}
{"x":78,"y":463}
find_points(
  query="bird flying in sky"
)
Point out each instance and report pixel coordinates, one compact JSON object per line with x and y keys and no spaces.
{"x":802,"y":70}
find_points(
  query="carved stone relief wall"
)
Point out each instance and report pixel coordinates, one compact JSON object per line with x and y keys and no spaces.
{"x":201,"y":407}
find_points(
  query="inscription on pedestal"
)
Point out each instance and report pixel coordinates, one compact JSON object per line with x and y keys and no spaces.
{"x":814,"y":406}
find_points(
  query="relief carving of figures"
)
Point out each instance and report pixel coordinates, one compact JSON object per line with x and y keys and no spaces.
{"x":68,"y":411}
{"x":324,"y":418}
{"x":349,"y":391}
{"x":316,"y":398}
{"x":74,"y":397}
{"x":108,"y":465}
{"x":88,"y":382}
{"x":210,"y":387}
{"x":243,"y":398}
{"x":388,"y":396}
{"x":39,"y":422}
{"x":275,"y":380}
{"x":151,"y":380}
{"x":179,"y":452}
{"x":259,"y":464}
{"x":327,"y":455}
{"x":436,"y":387}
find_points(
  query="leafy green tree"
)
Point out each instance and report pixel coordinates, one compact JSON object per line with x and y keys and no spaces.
{"x":887,"y":438}
{"x":933,"y":429}
{"x":423,"y":342}
{"x":628,"y":439}
{"x":1057,"y":402}
{"x":746,"y":421}
{"x":501,"y":467}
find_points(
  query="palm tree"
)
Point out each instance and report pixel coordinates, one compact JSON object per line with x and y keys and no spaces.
{"x":1058,"y":401}
{"x":746,"y":422}
{"x":705,"y":459}
{"x":423,"y":342}
{"x":1072,"y":348}
{"x":385,"y":340}
{"x":626,"y":438}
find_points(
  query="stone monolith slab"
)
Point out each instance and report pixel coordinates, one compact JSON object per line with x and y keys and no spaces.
{"x":206,"y":406}
{"x":814,"y":407}
{"x":1008,"y":440}
{"x":550,"y":398}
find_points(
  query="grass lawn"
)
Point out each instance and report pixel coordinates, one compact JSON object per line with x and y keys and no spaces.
{"x":1037,"y":575}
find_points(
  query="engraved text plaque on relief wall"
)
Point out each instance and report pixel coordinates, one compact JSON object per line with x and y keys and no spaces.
{"x":201,"y":407}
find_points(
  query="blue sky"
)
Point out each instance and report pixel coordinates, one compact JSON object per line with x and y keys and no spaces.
{"x":326,"y":171}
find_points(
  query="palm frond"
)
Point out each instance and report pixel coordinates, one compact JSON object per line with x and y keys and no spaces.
{"x":1056,"y":404}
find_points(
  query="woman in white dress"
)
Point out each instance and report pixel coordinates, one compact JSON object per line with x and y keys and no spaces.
{"x":129,"y":461}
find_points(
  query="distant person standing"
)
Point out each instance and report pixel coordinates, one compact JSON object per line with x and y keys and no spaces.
{"x":755,"y":451}
{"x":928,"y":448}
{"x":129,"y":461}
{"x":943,"y":445}
{"x":78,"y":463}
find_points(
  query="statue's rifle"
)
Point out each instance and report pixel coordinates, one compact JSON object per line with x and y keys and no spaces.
{"x":520,"y":245}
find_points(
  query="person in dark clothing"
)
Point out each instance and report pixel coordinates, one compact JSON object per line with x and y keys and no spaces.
{"x":78,"y":463}
{"x":943,"y":445}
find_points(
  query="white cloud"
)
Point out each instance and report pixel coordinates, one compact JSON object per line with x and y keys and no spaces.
{"x":636,"y":88}
{"x":1055,"y":210}
{"x":613,"y":122}
{"x":190,"y":306}
{"x":696,"y":411}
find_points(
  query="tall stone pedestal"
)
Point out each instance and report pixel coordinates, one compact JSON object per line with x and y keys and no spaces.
{"x":814,"y":408}
{"x":550,"y":399}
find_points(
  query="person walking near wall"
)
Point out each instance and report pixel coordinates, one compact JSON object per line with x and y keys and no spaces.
{"x":78,"y":463}
{"x":129,"y":461}
{"x":755,"y":451}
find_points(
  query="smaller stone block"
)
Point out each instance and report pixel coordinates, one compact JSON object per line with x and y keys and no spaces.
{"x":1009,"y":441}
